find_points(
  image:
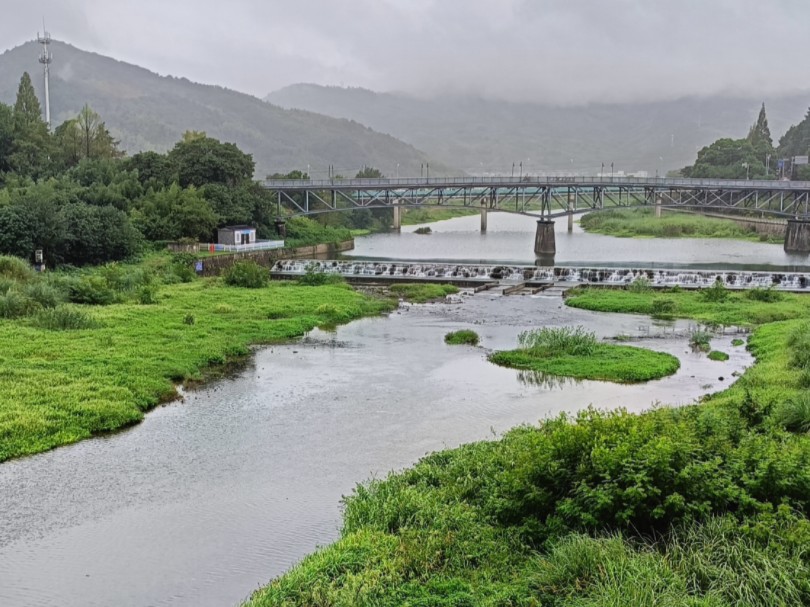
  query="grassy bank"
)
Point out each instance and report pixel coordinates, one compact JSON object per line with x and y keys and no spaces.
{"x":643,"y":223}
{"x":60,"y":386}
{"x":422,"y":292}
{"x":411,"y":216}
{"x":698,"y":506}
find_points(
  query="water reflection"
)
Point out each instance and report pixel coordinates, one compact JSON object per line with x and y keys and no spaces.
{"x":546,"y":380}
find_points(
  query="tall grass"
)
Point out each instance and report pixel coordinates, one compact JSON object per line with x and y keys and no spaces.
{"x":575,"y":341}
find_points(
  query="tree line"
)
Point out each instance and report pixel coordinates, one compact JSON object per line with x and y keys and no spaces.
{"x":73,"y":194}
{"x":755,"y":156}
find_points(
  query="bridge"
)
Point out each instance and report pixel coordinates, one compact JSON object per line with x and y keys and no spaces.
{"x":549,"y":197}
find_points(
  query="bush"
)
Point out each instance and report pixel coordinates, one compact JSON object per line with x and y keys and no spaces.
{"x":14,"y":305}
{"x":663,"y":307}
{"x":794,"y":415}
{"x":799,"y":344}
{"x":769,"y":295}
{"x":247,"y":274}
{"x":423,"y":230}
{"x":640,"y":285}
{"x":716,"y":293}
{"x":314,"y":276}
{"x":737,"y":342}
{"x":15,"y":268}
{"x":46,"y":295}
{"x":718,"y":356}
{"x":148,"y":295}
{"x":189,"y":319}
{"x":559,"y":341}
{"x":701,"y":340}
{"x":64,"y":318}
{"x":464,"y":337}
{"x":92,"y":290}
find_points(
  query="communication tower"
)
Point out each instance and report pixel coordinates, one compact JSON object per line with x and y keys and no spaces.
{"x":45,"y":59}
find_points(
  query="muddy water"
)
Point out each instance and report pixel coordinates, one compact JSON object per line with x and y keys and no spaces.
{"x":210,"y":497}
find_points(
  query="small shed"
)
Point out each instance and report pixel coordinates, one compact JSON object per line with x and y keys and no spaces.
{"x":236,"y":235}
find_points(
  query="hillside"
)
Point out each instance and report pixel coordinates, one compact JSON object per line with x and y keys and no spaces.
{"x":147,"y":111}
{"x":478,"y":135}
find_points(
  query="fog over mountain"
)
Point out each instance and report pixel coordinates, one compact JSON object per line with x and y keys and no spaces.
{"x":150,"y":112}
{"x":568,"y":52}
{"x":480,"y":135}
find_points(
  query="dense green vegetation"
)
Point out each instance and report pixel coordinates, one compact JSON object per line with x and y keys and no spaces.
{"x":412,"y":216}
{"x":71,"y":371}
{"x":643,"y":223}
{"x":736,"y":309}
{"x":420,"y":292}
{"x":464,"y":337}
{"x":697,"y":506}
{"x":574,"y":352}
{"x":717,"y":355}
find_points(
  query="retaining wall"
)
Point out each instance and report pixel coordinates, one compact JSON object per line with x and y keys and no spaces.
{"x":215,"y":265}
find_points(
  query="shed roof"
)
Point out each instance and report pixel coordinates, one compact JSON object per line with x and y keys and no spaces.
{"x":243,"y":227}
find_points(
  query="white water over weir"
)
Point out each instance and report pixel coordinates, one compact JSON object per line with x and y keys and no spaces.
{"x":452,"y":272}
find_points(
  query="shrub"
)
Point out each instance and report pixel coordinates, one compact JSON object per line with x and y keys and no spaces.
{"x":559,"y":341}
{"x":701,"y":340}
{"x":718,"y":356}
{"x":223,"y":309}
{"x":14,"y":305}
{"x":46,"y":295}
{"x":423,"y":230}
{"x":148,"y":295}
{"x":799,"y":344}
{"x":189,"y":319}
{"x":737,"y":342}
{"x":769,"y":295}
{"x":64,"y":318}
{"x":92,"y":290}
{"x":794,"y":415}
{"x":640,"y":285}
{"x":663,"y":307}
{"x":247,"y":274}
{"x":15,"y":268}
{"x":314,"y":276}
{"x":716,"y":293}
{"x":464,"y":337}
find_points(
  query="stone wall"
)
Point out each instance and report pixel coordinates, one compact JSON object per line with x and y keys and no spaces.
{"x":215,"y":265}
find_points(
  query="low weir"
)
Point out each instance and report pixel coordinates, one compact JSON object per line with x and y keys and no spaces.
{"x":468,"y":273}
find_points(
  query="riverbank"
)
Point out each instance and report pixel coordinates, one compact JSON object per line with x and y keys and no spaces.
{"x":642,"y":223}
{"x":699,"y":505}
{"x":61,"y":386}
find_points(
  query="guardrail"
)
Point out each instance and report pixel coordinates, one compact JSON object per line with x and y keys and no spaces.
{"x":261,"y":245}
{"x":529,"y":181}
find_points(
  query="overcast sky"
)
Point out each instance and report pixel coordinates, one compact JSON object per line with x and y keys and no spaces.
{"x":545,"y":50}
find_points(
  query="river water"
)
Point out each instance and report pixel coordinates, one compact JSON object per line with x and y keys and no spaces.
{"x":510,"y":239}
{"x":212,"y":496}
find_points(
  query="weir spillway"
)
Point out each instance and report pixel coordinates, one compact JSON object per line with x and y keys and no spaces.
{"x":393,"y":271}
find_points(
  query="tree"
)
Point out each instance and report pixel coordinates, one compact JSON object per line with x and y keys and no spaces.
{"x":95,"y":138}
{"x":175,"y":213}
{"x":369,"y":173}
{"x":154,"y":170}
{"x":204,"y":160}
{"x":31,"y":143}
{"x":760,"y":135}
{"x":6,"y":137}
{"x":728,"y":159}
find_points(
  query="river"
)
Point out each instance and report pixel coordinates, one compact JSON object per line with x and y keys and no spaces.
{"x":213,"y":495}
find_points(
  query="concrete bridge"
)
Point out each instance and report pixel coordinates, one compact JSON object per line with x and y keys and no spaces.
{"x":549,"y":197}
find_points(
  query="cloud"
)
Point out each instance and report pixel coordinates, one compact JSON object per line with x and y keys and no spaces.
{"x":563,"y":51}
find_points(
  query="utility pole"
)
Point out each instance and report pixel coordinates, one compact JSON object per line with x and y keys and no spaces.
{"x":45,"y":59}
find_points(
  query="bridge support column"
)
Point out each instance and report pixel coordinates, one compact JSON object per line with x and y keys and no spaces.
{"x":281,"y":227}
{"x":483,"y":220}
{"x":570,"y":212}
{"x":397,"y":223}
{"x":797,"y":236}
{"x":544,"y":243}
{"x":658,"y":207}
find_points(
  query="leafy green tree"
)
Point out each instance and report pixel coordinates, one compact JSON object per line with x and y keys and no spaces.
{"x":6,"y":138}
{"x":204,"y":160}
{"x":95,"y":235}
{"x":728,"y":159}
{"x":369,"y":173}
{"x":760,"y":135}
{"x":175,"y":213}
{"x":31,"y":146}
{"x":154,"y":170}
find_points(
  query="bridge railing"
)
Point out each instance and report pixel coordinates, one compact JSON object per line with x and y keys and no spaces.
{"x":539,"y":181}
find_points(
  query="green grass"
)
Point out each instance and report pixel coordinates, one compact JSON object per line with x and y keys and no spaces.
{"x":642,"y":223}
{"x":717,"y":355}
{"x":462,"y":338}
{"x":58,"y":387}
{"x":412,"y":216}
{"x":607,"y":362}
{"x":421,"y":292}
{"x":735,"y":309}
{"x":696,"y":506}
{"x":737,"y":342}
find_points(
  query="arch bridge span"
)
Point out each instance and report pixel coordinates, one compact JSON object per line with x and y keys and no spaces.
{"x":550,"y":197}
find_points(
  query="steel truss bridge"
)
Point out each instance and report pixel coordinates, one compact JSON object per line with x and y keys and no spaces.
{"x":545,"y":197}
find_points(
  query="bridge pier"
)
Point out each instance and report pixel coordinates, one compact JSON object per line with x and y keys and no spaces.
{"x":571,"y":205}
{"x":281,"y":227}
{"x":545,"y":244}
{"x":397,"y":223}
{"x":483,"y":220}
{"x":797,"y":236}
{"x":658,"y":208}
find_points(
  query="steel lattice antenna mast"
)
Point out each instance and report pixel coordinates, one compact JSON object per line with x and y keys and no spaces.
{"x":45,"y":59}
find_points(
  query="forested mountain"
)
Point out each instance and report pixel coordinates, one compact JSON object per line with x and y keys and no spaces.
{"x":478,"y":135}
{"x":146,"y":111}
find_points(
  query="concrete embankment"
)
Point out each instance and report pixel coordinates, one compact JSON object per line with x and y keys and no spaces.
{"x":215,"y":265}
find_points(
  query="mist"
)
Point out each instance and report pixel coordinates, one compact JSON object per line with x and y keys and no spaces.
{"x":555,"y":51}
